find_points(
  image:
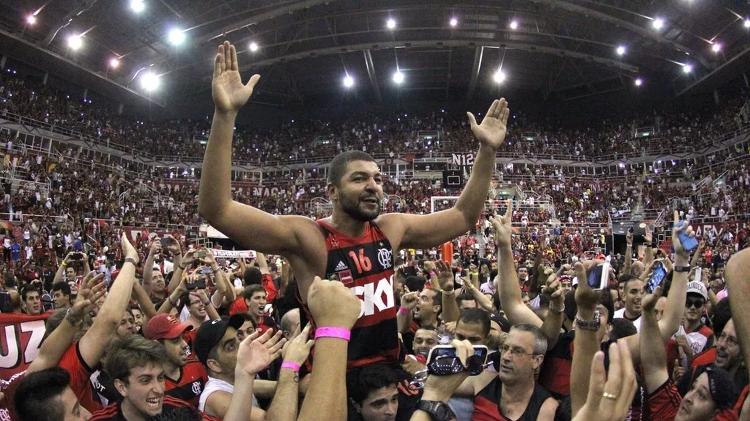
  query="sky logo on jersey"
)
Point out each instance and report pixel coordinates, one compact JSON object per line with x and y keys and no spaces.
{"x":375,"y":296}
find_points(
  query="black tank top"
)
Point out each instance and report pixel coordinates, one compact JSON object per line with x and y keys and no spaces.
{"x":487,"y":403}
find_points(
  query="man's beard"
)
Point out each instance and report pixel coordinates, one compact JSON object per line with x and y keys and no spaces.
{"x":352,"y":208}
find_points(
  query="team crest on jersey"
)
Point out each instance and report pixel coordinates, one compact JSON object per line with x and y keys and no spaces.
{"x":197,"y":388}
{"x":385,"y":257}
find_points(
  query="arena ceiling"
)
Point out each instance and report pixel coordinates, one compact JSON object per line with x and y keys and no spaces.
{"x":562,"y":49}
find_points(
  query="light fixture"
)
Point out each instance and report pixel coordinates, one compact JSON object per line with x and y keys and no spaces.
{"x":687,"y":68}
{"x":31,"y":19}
{"x":746,"y":23}
{"x":398,"y":77}
{"x":75,"y":42}
{"x":176,"y":36}
{"x":499,"y":76}
{"x":137,"y":6}
{"x":114,"y":62}
{"x":453,"y":22}
{"x":621,"y":50}
{"x":348,"y":81}
{"x":253,"y":46}
{"x":657,"y":23}
{"x":716,"y":47}
{"x":513,"y":24}
{"x":150,"y":81}
{"x":638,"y":81}
{"x":390,"y":23}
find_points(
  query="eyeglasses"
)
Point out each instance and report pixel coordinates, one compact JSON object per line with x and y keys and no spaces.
{"x":515,"y":352}
{"x":730,"y":340}
{"x":694,"y":302}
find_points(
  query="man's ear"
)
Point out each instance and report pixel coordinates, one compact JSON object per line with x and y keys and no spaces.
{"x":213,"y":365}
{"x":120,"y":386}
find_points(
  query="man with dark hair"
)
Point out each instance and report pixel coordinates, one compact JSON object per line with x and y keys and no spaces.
{"x":46,"y":396}
{"x":355,"y":244}
{"x":137,"y":366}
{"x":184,"y":375}
{"x":633,"y":288}
{"x":474,"y":326}
{"x":32,"y":300}
{"x":61,"y":295}
{"x":373,"y":393}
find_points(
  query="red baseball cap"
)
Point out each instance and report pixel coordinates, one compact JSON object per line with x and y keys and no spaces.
{"x":164,"y":326}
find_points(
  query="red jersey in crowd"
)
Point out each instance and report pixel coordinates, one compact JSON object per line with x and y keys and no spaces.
{"x":189,"y":385}
{"x":172,"y":409}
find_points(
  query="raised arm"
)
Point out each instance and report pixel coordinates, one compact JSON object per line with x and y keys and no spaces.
{"x":286,"y":399}
{"x":424,"y":231}
{"x":675,"y":308}
{"x":60,"y":273}
{"x":250,"y":226}
{"x":94,"y":342}
{"x":144,"y":301}
{"x":507,"y":278}
{"x":628,"y":252}
{"x":653,"y":353}
{"x":449,"y":306}
{"x":737,"y":275}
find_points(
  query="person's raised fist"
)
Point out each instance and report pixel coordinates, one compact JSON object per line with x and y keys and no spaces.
{"x":332,"y":304}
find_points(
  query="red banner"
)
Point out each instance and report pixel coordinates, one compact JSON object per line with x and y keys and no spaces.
{"x":20,"y":338}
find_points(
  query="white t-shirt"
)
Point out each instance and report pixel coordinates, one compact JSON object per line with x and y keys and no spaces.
{"x":216,"y":385}
{"x":620,"y":314}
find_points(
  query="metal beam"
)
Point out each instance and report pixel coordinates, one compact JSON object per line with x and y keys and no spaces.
{"x":728,"y":70}
{"x":371,"y":74}
{"x":478,"y":52}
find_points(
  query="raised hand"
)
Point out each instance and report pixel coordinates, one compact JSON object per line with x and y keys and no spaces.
{"x":555,"y":292}
{"x":444,"y":276}
{"x":257,"y":351}
{"x":298,"y":348}
{"x":610,"y":393}
{"x":332,"y":304}
{"x":229,"y":93}
{"x":678,"y":228}
{"x":504,"y":226}
{"x":585,"y":296}
{"x":491,"y":132}
{"x":127,"y":249}
{"x":92,"y":290}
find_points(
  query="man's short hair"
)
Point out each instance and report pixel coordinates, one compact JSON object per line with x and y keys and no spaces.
{"x":29,"y":289}
{"x":540,"y":341}
{"x":477,"y":316}
{"x":464,"y":296}
{"x":252,"y":276}
{"x":250,"y":290}
{"x":37,"y":395}
{"x":64,"y":287}
{"x":337,"y":167}
{"x":131,"y":352}
{"x":360,"y":382}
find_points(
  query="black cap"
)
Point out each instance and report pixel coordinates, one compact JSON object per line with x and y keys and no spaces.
{"x":210,"y":333}
{"x":721,"y":386}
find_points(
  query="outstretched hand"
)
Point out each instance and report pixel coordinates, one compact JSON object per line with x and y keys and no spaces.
{"x":257,"y":351}
{"x":503,"y":226}
{"x":492,"y":131}
{"x":229,"y":93}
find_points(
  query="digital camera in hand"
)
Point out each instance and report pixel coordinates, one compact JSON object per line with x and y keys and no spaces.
{"x":658,"y":273}
{"x":443,"y":361}
{"x":599,"y":276}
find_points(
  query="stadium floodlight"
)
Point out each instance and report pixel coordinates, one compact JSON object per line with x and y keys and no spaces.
{"x":75,"y":42}
{"x":687,"y":68}
{"x":137,"y":6}
{"x":638,"y":81}
{"x":453,"y":22}
{"x":716,"y":47}
{"x":114,"y":62}
{"x":253,"y":46}
{"x":31,"y":19}
{"x":348,"y":81}
{"x":499,"y":76}
{"x":513,"y":24}
{"x":150,"y":81}
{"x":398,"y":77}
{"x":176,"y":36}
{"x":657,"y":23}
{"x":746,"y":23}
{"x":390,"y":23}
{"x":621,"y":50}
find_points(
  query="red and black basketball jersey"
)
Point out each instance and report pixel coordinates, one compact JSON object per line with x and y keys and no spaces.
{"x":189,"y":385}
{"x":365,"y":265}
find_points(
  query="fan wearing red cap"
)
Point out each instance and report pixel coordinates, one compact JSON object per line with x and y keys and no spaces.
{"x":185,"y":375}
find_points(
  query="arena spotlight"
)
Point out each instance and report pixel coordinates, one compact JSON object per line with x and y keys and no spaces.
{"x":513,"y":24}
{"x":137,"y":6}
{"x":176,"y":36}
{"x":453,"y":22}
{"x":687,"y":68}
{"x":746,"y":23}
{"x":253,"y":46}
{"x":114,"y":62}
{"x":390,"y":23}
{"x":398,"y":77}
{"x":716,"y":47}
{"x":75,"y":42}
{"x":638,"y":81}
{"x":657,"y":23}
{"x":31,"y":19}
{"x":621,"y":50}
{"x":499,"y":76}
{"x":348,"y":81}
{"x":150,"y":81}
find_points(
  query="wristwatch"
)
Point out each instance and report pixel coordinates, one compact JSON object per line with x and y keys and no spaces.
{"x":439,"y":411}
{"x":682,"y":269}
{"x":590,"y":325}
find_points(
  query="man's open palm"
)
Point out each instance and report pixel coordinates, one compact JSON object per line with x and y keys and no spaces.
{"x":494,"y":124}
{"x":229,"y":92}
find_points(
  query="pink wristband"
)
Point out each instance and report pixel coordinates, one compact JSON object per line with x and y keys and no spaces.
{"x":291,"y":365}
{"x":333,"y":332}
{"x":403,"y":310}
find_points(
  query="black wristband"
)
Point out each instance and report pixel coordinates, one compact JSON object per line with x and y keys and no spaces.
{"x":682,"y":269}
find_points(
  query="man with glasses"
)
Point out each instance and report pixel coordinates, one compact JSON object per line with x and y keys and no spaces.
{"x":512,"y":392}
{"x":699,"y":336}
